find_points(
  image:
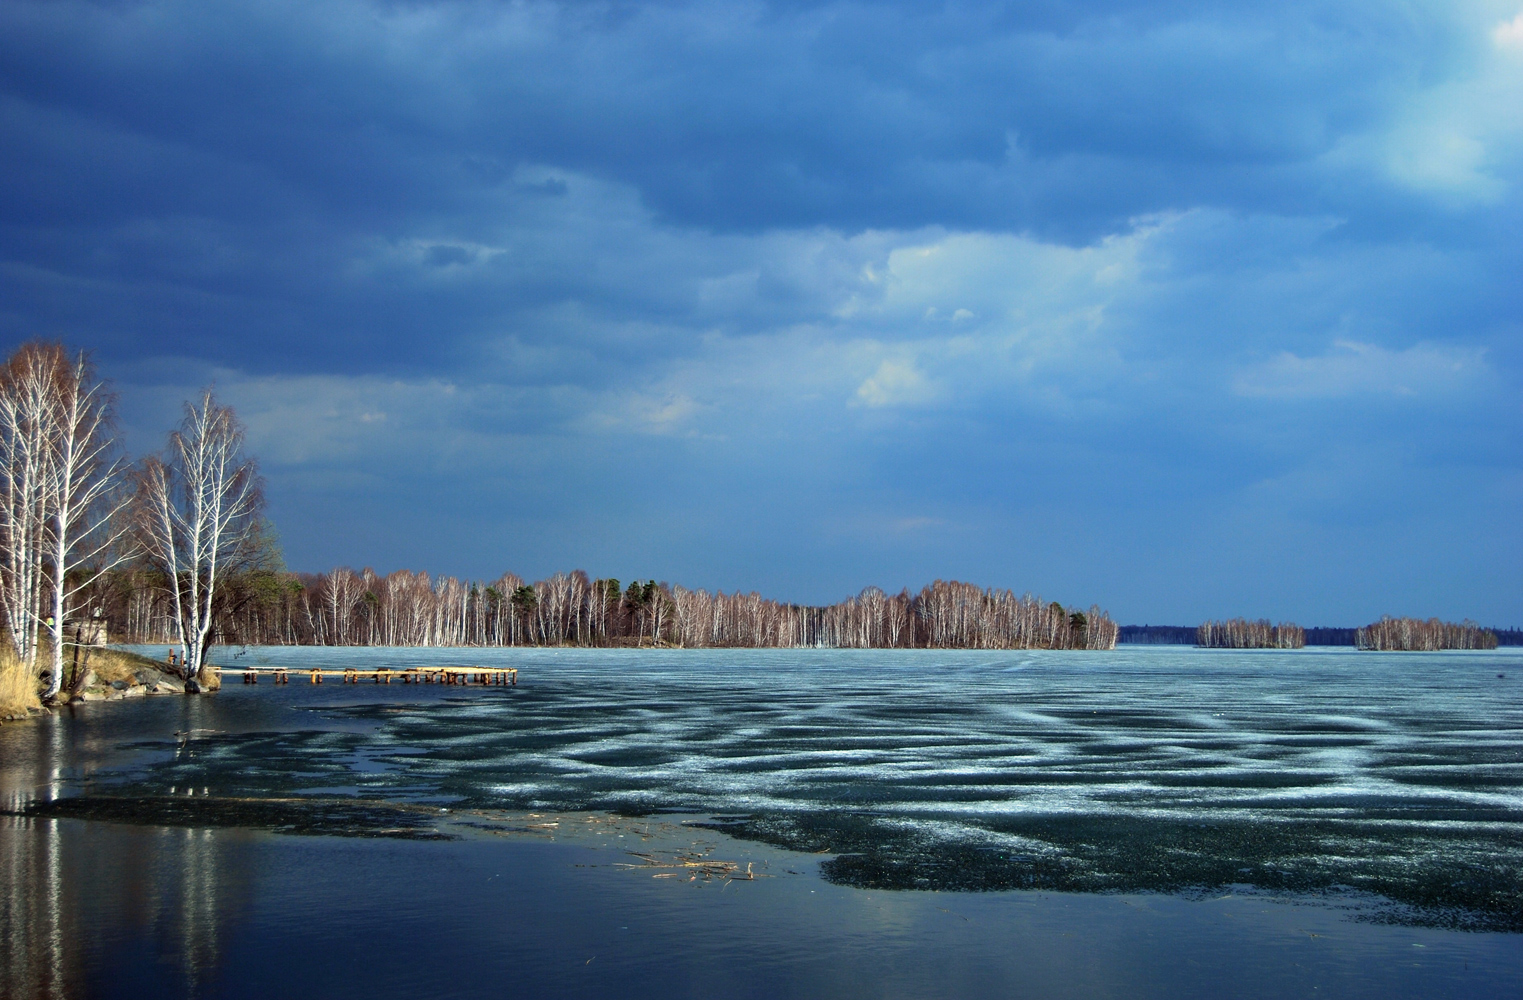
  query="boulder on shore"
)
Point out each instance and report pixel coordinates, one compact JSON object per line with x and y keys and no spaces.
{"x":136,"y":684}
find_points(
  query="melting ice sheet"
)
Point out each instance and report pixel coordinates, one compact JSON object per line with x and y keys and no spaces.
{"x":1397,"y":777}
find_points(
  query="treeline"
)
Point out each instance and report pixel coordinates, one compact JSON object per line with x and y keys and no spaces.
{"x":1239,"y":633}
{"x":1408,"y":634}
{"x":1184,"y":635}
{"x":1325,"y":636}
{"x":346,"y":607}
{"x":1157,"y":635}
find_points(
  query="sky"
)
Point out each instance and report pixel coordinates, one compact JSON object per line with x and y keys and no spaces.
{"x":1189,"y":309}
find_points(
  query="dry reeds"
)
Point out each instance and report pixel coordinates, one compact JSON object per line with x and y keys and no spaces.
{"x":18,"y":686}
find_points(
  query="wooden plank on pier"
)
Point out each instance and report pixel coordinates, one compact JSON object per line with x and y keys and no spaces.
{"x":452,"y":674}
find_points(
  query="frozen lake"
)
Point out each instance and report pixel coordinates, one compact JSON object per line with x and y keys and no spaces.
{"x":1377,"y":793}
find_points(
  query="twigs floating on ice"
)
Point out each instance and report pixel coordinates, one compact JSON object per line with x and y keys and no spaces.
{"x":697,"y":867}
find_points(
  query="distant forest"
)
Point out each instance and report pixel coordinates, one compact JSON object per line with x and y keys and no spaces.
{"x":1188,"y":635}
{"x":1157,"y":635}
{"x":1331,"y":636}
{"x":346,"y":607}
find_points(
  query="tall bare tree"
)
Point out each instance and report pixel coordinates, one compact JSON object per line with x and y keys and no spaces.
{"x":26,"y":454}
{"x":86,"y":535}
{"x":341,"y":591}
{"x":199,"y":517}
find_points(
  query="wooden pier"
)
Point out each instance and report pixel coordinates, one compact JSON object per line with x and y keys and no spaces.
{"x":471,"y":675}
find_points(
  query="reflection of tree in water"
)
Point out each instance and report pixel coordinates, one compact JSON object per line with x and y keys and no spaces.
{"x":184,"y":888}
{"x":195,"y":918}
{"x":32,"y":911}
{"x":33,"y":904}
{"x":78,"y":896}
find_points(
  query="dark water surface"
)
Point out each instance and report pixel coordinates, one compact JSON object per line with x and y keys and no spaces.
{"x":1148,"y":822}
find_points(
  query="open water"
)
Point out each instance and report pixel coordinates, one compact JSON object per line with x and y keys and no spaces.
{"x":1150,"y":821}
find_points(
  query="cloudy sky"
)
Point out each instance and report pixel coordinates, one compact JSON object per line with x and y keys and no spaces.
{"x":1188,"y":308}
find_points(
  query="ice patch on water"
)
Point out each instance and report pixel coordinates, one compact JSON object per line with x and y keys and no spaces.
{"x":946,"y":747}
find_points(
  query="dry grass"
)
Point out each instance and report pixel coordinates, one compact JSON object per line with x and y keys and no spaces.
{"x":18,"y":687}
{"x":109,"y":664}
{"x":114,"y":664}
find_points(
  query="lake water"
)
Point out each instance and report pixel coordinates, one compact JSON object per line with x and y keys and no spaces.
{"x":1155,"y":821}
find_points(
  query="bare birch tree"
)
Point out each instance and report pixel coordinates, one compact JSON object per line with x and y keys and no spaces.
{"x":26,"y":404}
{"x":199,"y":513}
{"x":340,"y":593}
{"x":86,"y":530}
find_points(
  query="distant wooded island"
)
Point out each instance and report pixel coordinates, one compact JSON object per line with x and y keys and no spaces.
{"x":1386,"y":634}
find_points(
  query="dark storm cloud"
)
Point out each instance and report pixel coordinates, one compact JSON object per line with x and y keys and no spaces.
{"x":805,"y":295}
{"x":726,"y":114}
{"x":240,"y":151}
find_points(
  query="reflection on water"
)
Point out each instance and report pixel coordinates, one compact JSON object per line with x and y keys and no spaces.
{"x":66,"y":892}
{"x":198,"y":908}
{"x":32,"y":909}
{"x":32,"y":913}
{"x":107,"y":910}
{"x":68,"y":895}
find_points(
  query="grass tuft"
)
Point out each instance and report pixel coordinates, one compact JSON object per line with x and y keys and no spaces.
{"x":18,"y":687}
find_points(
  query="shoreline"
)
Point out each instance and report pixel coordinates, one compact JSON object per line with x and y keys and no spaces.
{"x":111,"y":673}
